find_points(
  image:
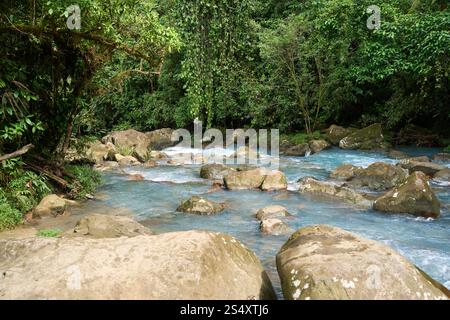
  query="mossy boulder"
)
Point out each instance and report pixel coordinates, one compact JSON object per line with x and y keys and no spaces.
{"x":368,"y":138}
{"x":200,"y":206}
{"x":215,"y":171}
{"x":336,"y":133}
{"x":414,"y":196}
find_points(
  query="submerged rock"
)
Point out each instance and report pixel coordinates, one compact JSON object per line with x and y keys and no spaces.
{"x":429,"y":168}
{"x":274,"y":211}
{"x":318,"y":145}
{"x":51,"y":205}
{"x":328,"y":263}
{"x":109,"y":226}
{"x":299,"y":150}
{"x":365,"y":139}
{"x":442,"y":157}
{"x":395,"y":154}
{"x":336,"y":133}
{"x":414,"y":196}
{"x":214,"y":171}
{"x":313,"y":186}
{"x":198,"y":205}
{"x":256,"y":179}
{"x":193,"y":265}
{"x":274,"y":227}
{"x":345,"y":172}
{"x":443,"y":176}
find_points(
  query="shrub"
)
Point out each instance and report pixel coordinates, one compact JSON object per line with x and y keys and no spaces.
{"x":86,"y":180}
{"x":9,"y":216}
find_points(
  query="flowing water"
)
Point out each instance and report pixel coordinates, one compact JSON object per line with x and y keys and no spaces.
{"x":153,"y":202}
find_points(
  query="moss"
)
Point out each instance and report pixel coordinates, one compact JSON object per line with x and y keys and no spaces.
{"x":51,"y":233}
{"x":300,"y":137}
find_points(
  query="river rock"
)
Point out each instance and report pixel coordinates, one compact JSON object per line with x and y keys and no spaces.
{"x":255,"y":179}
{"x":107,"y":166}
{"x":345,"y":172}
{"x":134,"y":141}
{"x":51,"y":205}
{"x":192,"y":265}
{"x":299,"y":150}
{"x":365,"y":139}
{"x":273,"y":226}
{"x":214,"y":171}
{"x":380,"y":176}
{"x":158,"y":155}
{"x":429,"y":168}
{"x":313,"y":186}
{"x":336,"y":133}
{"x":318,"y":145}
{"x":443,"y":176}
{"x":200,"y":206}
{"x":160,"y":139}
{"x":98,"y":152}
{"x":127,"y":160}
{"x":395,"y":154}
{"x":273,"y":211}
{"x":414,"y":196}
{"x":327,"y":263}
{"x":442,"y":157}
{"x":150,"y":164}
{"x":108,"y":226}
{"x":246,"y":154}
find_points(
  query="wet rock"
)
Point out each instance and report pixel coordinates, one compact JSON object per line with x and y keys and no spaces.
{"x":443,"y":176}
{"x":127,"y":160}
{"x":273,"y":211}
{"x":395,"y":154}
{"x":336,"y":133}
{"x":136,"y":177}
{"x":200,"y":206}
{"x":442,"y":157}
{"x":214,"y":171}
{"x":313,"y":186}
{"x":150,"y":164}
{"x":380,"y":176}
{"x":327,"y":263}
{"x":318,"y":145}
{"x":160,"y":139}
{"x":429,"y":168}
{"x":300,"y":150}
{"x":414,"y":196}
{"x":345,"y":172}
{"x":51,"y":205}
{"x":98,"y":152}
{"x":417,"y":159}
{"x":273,"y":226}
{"x":107,"y":166}
{"x":192,"y":265}
{"x":274,"y":180}
{"x":108,"y":226}
{"x":158,"y":155}
{"x":255,"y":179}
{"x":368,"y":138}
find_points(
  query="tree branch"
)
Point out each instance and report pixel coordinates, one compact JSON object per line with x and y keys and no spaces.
{"x":17,"y":153}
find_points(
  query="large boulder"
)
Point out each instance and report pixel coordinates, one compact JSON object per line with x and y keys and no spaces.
{"x":345,"y":172}
{"x":299,"y":150}
{"x":318,"y":145}
{"x":160,"y":139}
{"x":108,"y":226}
{"x":98,"y":152}
{"x":328,"y":263}
{"x":134,"y":142}
{"x":336,"y":133}
{"x":255,"y":179}
{"x":414,"y":196}
{"x":273,"y":211}
{"x":429,"y":168}
{"x":214,"y":171}
{"x":330,"y":189}
{"x":380,"y":176}
{"x":51,"y":205}
{"x":192,"y":265}
{"x":200,"y":206}
{"x":365,"y":139}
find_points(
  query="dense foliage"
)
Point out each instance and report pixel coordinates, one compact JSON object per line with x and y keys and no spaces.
{"x":293,"y":65}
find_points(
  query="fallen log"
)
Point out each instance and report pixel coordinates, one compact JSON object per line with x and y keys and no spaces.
{"x":17,"y":153}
